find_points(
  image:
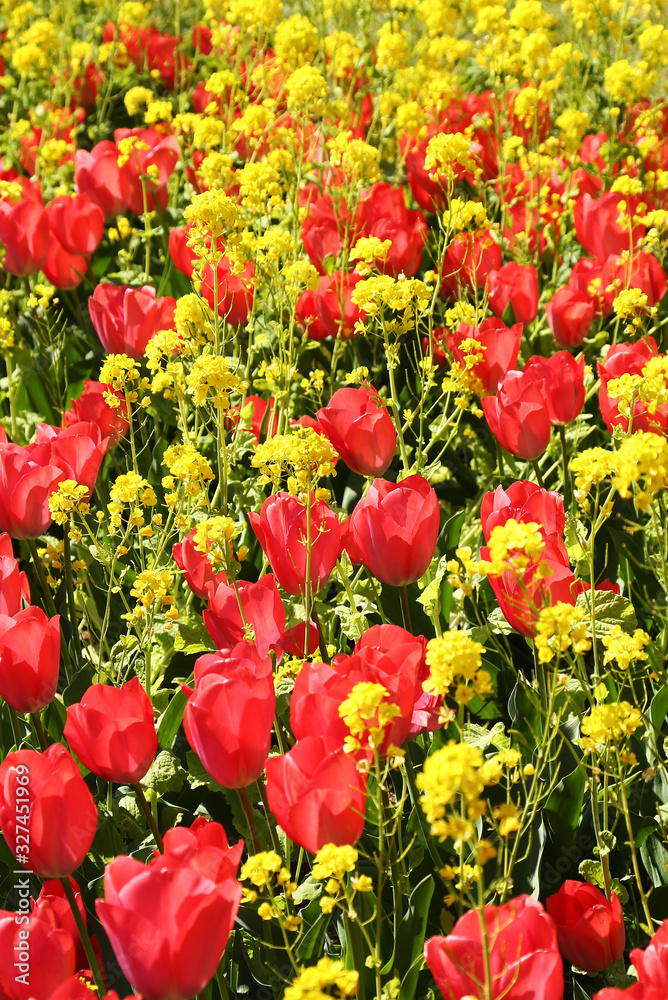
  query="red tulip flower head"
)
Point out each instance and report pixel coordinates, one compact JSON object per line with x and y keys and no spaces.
{"x":263,"y":612}
{"x":563,"y":384}
{"x":196,"y":566}
{"x":92,"y":407}
{"x":14,"y":586}
{"x":77,"y":223}
{"x":638,"y":991}
{"x":570,"y":314}
{"x":112,"y":733}
{"x":651,"y":963}
{"x":283,"y":530}
{"x":169,"y":921}
{"x":524,"y":957}
{"x":518,"y":415}
{"x":317,"y":794}
{"x":517,"y":286}
{"x":590,"y":927}
{"x":499,"y":347}
{"x":28,"y":476}
{"x":24,"y":230}
{"x":126,"y":318}
{"x":62,"y":815}
{"x":524,"y":501}
{"x":44,"y":955}
{"x":29,"y":659}
{"x":229,"y":716}
{"x":393,"y":529}
{"x":98,"y":175}
{"x":632,"y":359}
{"x":360,"y":430}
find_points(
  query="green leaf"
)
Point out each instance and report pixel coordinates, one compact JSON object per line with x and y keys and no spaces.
{"x":609,"y":609}
{"x":411,"y":933}
{"x":190,"y":640}
{"x":309,"y":889}
{"x":563,"y":808}
{"x":198,"y":775}
{"x":430,"y":596}
{"x":480,"y":736}
{"x":165,"y":774}
{"x":171,"y":719}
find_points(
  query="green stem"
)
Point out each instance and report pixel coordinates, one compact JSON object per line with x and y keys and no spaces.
{"x":150,"y":818}
{"x":564,"y":462}
{"x":12,"y":395}
{"x":539,"y":475}
{"x":405,"y":608}
{"x":16,"y":728}
{"x":39,"y":731}
{"x":69,"y":583}
{"x":321,"y":637}
{"x":248,"y":811}
{"x":85,"y":939}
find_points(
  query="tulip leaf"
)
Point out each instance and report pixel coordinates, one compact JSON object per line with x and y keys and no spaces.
{"x":198,"y":775}
{"x":411,"y":933}
{"x":563,"y":808}
{"x":171,"y":719}
{"x":190,"y":640}
{"x":430,"y":596}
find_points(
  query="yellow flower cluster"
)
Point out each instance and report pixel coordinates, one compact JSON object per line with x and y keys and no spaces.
{"x":623,"y":649}
{"x":212,"y":378}
{"x":454,"y":771}
{"x":328,"y":974}
{"x":67,"y":500}
{"x":333,"y":861}
{"x":367,"y":712}
{"x":559,"y":628}
{"x":455,"y":659}
{"x":610,"y":723}
{"x":446,"y":152}
{"x":212,"y":537}
{"x":512,"y":546}
{"x":303,"y":455}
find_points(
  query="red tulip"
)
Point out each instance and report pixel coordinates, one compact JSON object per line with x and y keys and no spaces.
{"x":360,"y":429}
{"x":641,"y":271}
{"x":27,"y":479}
{"x":153,"y":151}
{"x":590,"y":928}
{"x":524,"y":959}
{"x":283,"y":530}
{"x":29,"y":659}
{"x":264,"y":418}
{"x":631,"y":359}
{"x":652,"y":962}
{"x":112,"y":733}
{"x":469,"y":260}
{"x":126,"y":318}
{"x":92,"y":407}
{"x":98,"y":175}
{"x":77,"y":223}
{"x":78,"y":449}
{"x":36,"y":957}
{"x":230,"y":714}
{"x":524,"y":502}
{"x":587,"y":277}
{"x":196,"y":566}
{"x":500,"y":346}
{"x":14,"y":586}
{"x":52,"y":905}
{"x":53,"y":834}
{"x":317,"y":794}
{"x":334,"y":306}
{"x":394,"y":528}
{"x":307,"y":313}
{"x":235,"y":292}
{"x":63,"y":269}
{"x":517,"y":286}
{"x":570,"y":314}
{"x":563,"y":380}
{"x":596,"y":224}
{"x":169,"y":921}
{"x":264,"y":614}
{"x":518,"y":416}
{"x":184,"y":258}
{"x":382,"y":213}
{"x":24,"y":229}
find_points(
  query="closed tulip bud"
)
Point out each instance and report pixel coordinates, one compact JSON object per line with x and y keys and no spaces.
{"x":394,"y":528}
{"x":112,"y":733}
{"x":642,"y":271}
{"x":28,"y":476}
{"x":525,"y":502}
{"x":229,"y":716}
{"x":52,"y":905}
{"x":515,"y":285}
{"x":523,"y":957}
{"x":92,"y":407}
{"x":334,"y":306}
{"x":196,"y":566}
{"x":126,"y":318}
{"x":263,"y":614}
{"x":518,"y":415}
{"x":36,"y":957}
{"x":630,"y":359}
{"x":235,"y":291}
{"x":284,"y":532}
{"x":590,"y":927}
{"x":29,"y":659}
{"x":61,"y":814}
{"x":317,"y":794}
{"x":24,"y":230}
{"x":98,"y":175}
{"x":563,"y":380}
{"x":570,"y":314}
{"x":360,"y":429}
{"x":499,"y":346}
{"x":77,"y":449}
{"x":468,"y":261}
{"x":77,"y":223}
{"x":63,"y":269}
{"x":169,"y":921}
{"x":597,"y":223}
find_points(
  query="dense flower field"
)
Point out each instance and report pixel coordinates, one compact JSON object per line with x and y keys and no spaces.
{"x":334,"y":420}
